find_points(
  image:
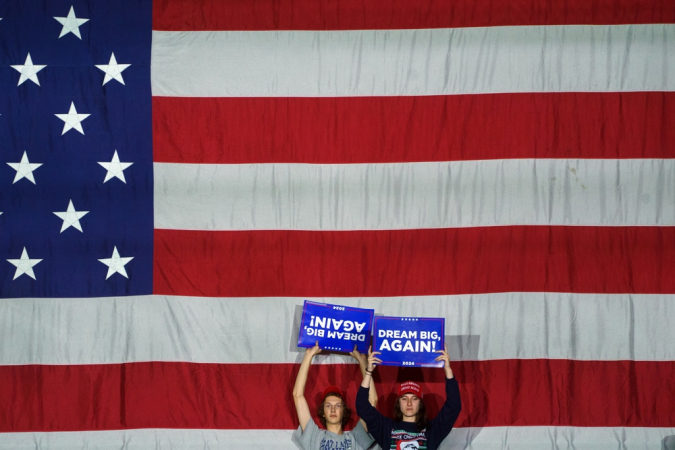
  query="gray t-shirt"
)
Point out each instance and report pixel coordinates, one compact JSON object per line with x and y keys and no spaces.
{"x":314,"y":438}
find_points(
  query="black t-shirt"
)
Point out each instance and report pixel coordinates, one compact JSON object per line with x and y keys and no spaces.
{"x":406,"y":435}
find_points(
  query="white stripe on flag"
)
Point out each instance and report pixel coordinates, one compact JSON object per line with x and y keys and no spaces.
{"x":630,"y":192}
{"x":223,"y":330}
{"x":413,"y":62}
{"x":596,"y":438}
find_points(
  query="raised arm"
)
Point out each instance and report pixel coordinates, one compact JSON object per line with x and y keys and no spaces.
{"x":371,"y":362}
{"x":363,"y":364}
{"x":378,"y":425}
{"x":441,"y":425}
{"x":301,"y":406}
{"x":446,"y":362}
{"x":372,"y":392}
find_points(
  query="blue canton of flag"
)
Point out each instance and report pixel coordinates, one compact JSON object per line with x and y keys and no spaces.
{"x":76,"y":197}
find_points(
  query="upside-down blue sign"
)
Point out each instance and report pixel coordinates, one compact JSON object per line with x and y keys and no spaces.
{"x":409,"y":341}
{"x":335,"y":327}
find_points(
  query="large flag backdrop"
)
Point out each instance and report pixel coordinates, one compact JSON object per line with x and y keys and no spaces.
{"x":178,"y":176}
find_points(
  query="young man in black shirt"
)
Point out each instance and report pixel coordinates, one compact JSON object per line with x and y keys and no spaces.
{"x":410,"y":429}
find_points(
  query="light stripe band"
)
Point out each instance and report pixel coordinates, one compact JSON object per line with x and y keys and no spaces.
{"x":579,"y":438}
{"x":413,"y":62}
{"x":483,"y":327}
{"x":415,"y":195}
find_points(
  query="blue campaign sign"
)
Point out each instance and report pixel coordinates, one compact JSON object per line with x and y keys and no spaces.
{"x":409,"y":341}
{"x":336,"y":327}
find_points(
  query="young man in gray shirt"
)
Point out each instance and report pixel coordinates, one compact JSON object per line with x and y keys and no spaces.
{"x":333,"y":414}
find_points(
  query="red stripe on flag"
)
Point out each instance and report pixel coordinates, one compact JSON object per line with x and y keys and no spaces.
{"x":248,"y":396}
{"x":184,"y":15}
{"x":415,"y":262}
{"x":410,"y":129}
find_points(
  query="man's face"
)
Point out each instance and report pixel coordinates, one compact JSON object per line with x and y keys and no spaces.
{"x":410,"y":405}
{"x":333,"y":410}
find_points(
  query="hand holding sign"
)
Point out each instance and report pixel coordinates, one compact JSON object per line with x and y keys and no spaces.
{"x":360,"y":357}
{"x":373,"y":360}
{"x":446,"y":362}
{"x":313,"y":351}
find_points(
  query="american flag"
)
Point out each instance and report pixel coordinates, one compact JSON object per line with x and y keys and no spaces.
{"x":178,"y":176}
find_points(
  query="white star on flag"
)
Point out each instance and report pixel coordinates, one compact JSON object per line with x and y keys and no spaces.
{"x":116,"y":264}
{"x":28,"y":71}
{"x":71,"y":217}
{"x":24,"y":169}
{"x":115,"y":168}
{"x":113,"y":71}
{"x":24,"y":265}
{"x":72,"y":119}
{"x":71,"y":24}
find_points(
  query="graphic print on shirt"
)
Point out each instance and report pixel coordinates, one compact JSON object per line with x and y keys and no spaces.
{"x":407,"y":440}
{"x":330,"y":444}
{"x":408,"y":445}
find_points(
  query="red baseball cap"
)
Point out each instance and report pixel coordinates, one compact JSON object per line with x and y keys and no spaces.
{"x":410,"y":387}
{"x":331,"y":390}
